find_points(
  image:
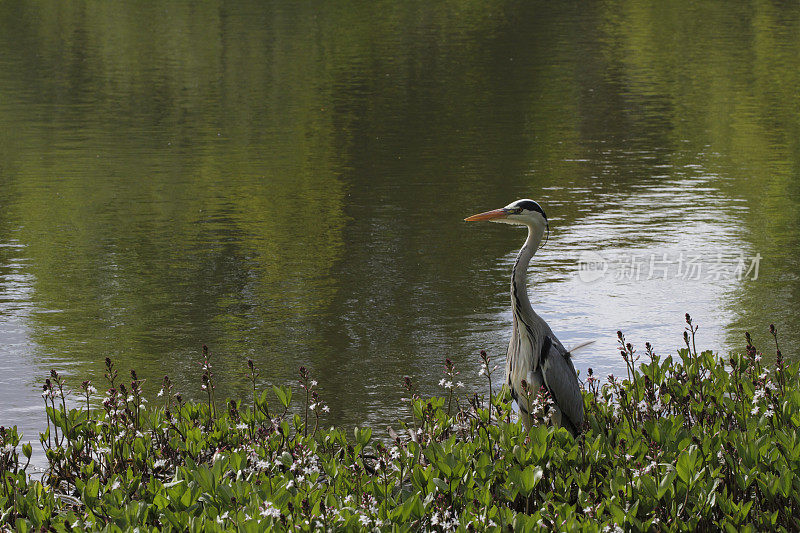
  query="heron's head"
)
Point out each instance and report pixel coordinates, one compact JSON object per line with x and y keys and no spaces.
{"x":521,"y":212}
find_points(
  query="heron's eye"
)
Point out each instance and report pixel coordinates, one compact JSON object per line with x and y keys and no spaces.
{"x":516,"y":210}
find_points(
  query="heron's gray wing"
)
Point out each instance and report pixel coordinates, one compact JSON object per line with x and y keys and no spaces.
{"x":562,"y":382}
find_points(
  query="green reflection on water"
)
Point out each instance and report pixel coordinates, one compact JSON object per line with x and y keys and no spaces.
{"x":286,"y":181}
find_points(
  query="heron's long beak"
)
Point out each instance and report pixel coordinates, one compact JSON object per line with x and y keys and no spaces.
{"x":488,"y":215}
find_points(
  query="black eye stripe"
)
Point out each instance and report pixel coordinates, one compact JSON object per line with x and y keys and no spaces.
{"x":530,"y":205}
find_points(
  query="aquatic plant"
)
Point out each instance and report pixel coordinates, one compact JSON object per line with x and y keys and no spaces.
{"x":688,"y":442}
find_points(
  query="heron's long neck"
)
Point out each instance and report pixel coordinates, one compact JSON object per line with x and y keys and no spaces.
{"x":519,"y":275}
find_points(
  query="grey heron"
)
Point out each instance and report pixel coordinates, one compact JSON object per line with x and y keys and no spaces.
{"x":534,"y":353}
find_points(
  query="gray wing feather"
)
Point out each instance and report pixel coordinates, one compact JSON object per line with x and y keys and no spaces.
{"x":562,"y":382}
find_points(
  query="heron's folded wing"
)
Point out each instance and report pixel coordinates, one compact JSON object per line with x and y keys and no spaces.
{"x":562,"y":382}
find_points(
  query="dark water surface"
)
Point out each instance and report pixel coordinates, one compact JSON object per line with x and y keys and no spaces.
{"x":286,"y":181}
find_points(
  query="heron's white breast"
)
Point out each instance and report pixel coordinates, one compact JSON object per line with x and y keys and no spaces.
{"x":522,"y":364}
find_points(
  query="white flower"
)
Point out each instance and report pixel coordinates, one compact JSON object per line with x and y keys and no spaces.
{"x":442,"y":382}
{"x":241,"y":425}
{"x":754,"y":411}
{"x":8,"y":448}
{"x":115,"y":485}
{"x":313,"y":383}
{"x":290,"y":485}
{"x":348,"y":499}
{"x":326,"y":409}
{"x":482,"y":371}
{"x":758,"y":358}
{"x":160,"y":393}
{"x":448,"y":385}
{"x":460,"y":384}
{"x":262,"y":465}
{"x":769,"y":412}
{"x":758,"y":394}
{"x":160,"y":463}
{"x":90,"y":389}
{"x":300,"y":479}
{"x":270,"y":511}
{"x":221,"y":518}
{"x":435,"y":519}
{"x":312,"y":406}
{"x":394,"y":453}
{"x":364,"y":519}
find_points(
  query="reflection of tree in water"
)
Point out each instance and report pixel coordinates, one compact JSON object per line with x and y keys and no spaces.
{"x":285,"y":181}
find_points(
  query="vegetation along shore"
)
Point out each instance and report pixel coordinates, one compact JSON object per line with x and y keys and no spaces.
{"x":689,"y":441}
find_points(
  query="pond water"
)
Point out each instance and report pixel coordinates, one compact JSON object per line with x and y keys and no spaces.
{"x":287,"y":182}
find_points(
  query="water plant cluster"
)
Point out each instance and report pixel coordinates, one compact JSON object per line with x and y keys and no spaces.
{"x":682,"y":442}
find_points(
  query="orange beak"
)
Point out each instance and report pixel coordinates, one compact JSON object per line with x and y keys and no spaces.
{"x":488,"y":215}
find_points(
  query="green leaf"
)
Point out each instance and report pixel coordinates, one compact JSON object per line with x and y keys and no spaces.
{"x":649,"y":485}
{"x":362,"y":435}
{"x":441,"y":484}
{"x":419,"y":477}
{"x":160,"y":501}
{"x":92,"y":488}
{"x":730,"y":528}
{"x":412,"y":508}
{"x":666,"y":483}
{"x":617,"y":513}
{"x":530,"y":477}
{"x":685,"y":465}
{"x":284,"y":395}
